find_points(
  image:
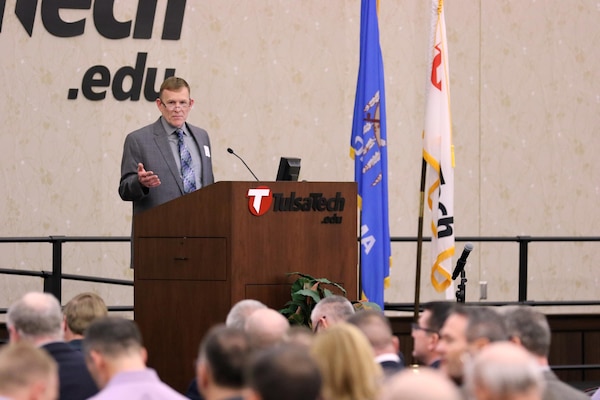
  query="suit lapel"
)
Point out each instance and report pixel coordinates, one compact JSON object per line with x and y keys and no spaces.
{"x":162,"y":142}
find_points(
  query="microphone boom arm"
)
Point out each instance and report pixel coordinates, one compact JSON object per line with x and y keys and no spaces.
{"x":230,"y":151}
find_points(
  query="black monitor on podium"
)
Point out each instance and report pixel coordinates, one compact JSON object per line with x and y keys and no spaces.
{"x":289,"y":169}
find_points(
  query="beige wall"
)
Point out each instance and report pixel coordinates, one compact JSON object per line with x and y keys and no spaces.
{"x":273,"y":78}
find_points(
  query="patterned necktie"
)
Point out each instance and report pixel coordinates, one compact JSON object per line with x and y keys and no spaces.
{"x":189,"y":180}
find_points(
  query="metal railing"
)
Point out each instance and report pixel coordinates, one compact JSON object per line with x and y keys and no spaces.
{"x":523,"y":243}
{"x":53,"y":279}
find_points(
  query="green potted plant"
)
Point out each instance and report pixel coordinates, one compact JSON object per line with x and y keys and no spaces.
{"x":306,"y":292}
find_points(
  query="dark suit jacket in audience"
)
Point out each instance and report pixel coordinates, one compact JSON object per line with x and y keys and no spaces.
{"x":192,"y":391}
{"x":76,"y":344}
{"x":74,"y":378}
{"x":391,"y":367}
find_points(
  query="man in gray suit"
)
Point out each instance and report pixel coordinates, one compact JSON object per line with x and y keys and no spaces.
{"x":530,"y":329}
{"x":168,"y":158}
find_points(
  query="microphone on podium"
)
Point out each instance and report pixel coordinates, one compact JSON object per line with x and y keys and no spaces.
{"x":230,"y":151}
{"x":460,"y":264}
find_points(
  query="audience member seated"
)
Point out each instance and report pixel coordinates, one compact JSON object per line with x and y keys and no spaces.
{"x":116,"y":359}
{"x":283,"y":372}
{"x":466,"y":331}
{"x":504,"y":371}
{"x":426,"y":333}
{"x":239,"y":313}
{"x":377,"y":329}
{"x":221,"y":364}
{"x":530,"y":329}
{"x":330,"y":311}
{"x":423,"y":384}
{"x":27,"y":373}
{"x":236,"y":318}
{"x":37,"y":318}
{"x":266,"y":327}
{"x":347,"y":363}
{"x":79,"y":313}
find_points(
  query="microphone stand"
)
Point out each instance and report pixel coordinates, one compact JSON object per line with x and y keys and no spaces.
{"x":462,"y":289}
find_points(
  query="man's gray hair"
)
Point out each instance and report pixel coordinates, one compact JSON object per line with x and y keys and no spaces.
{"x":504,"y":369}
{"x":36,"y":315}
{"x":530,"y":327}
{"x":335,"y":308}
{"x":483,"y":322}
{"x":239,"y":313}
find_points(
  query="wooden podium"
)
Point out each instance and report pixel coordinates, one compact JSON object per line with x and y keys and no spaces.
{"x":199,"y":254}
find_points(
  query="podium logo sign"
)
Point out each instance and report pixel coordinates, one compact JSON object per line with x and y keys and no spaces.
{"x":261,"y":198}
{"x":314,"y":202}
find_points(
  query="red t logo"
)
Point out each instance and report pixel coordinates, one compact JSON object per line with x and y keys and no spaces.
{"x":437,"y":61}
{"x":259,"y":200}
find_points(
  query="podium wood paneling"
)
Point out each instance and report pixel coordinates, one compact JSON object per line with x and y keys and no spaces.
{"x":199,"y":254}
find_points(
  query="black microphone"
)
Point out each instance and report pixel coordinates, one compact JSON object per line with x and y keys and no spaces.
{"x":460,"y":264}
{"x":230,"y":151}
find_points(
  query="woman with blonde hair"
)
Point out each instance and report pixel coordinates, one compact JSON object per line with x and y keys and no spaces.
{"x":347,"y":364}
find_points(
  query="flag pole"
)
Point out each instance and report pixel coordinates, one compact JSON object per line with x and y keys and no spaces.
{"x":360,"y":266}
{"x":420,"y":241}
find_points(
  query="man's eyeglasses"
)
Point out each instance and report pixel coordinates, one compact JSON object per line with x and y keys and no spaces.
{"x":172,"y":105}
{"x":416,"y":327}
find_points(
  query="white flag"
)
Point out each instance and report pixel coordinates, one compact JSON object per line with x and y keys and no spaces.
{"x":438,"y":152}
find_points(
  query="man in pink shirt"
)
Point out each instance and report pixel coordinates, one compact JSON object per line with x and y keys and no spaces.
{"x":117,"y":361}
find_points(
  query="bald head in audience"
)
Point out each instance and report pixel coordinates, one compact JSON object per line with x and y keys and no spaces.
{"x":239,"y":313}
{"x":266,"y":327}
{"x":36,"y":318}
{"x":420,"y":384}
{"x":503,"y":371}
